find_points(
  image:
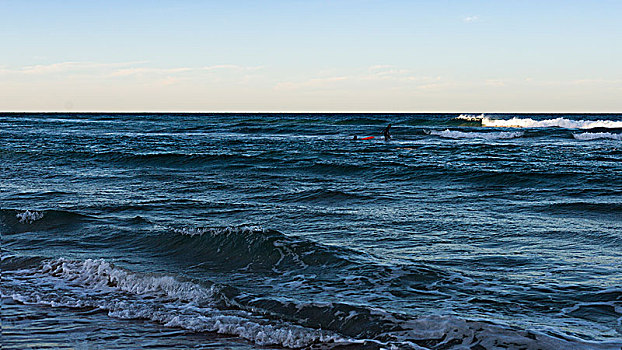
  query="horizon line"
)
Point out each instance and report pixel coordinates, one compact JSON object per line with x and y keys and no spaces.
{"x":306,"y":112}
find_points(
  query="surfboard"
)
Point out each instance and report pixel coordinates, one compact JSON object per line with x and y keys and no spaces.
{"x":367,"y":138}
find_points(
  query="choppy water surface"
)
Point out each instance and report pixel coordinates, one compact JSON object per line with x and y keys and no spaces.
{"x":278,"y":230}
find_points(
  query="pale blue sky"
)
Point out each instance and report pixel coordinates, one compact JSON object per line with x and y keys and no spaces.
{"x":465,"y":56}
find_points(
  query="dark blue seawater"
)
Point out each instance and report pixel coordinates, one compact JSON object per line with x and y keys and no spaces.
{"x":268,"y":231}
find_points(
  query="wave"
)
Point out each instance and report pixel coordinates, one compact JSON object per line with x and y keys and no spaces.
{"x":337,"y":167}
{"x":604,"y":212}
{"x":175,"y":158}
{"x":15,"y":221}
{"x":250,"y":248}
{"x":597,"y":135}
{"x":517,"y":122}
{"x":547,"y":123}
{"x":589,"y":207}
{"x":276,"y":256}
{"x":172,"y":159}
{"x":253,"y":248}
{"x":208,"y":307}
{"x":470,"y":117}
{"x":28,"y":217}
{"x":452,"y":134}
{"x":324,"y":196}
{"x":165,"y":299}
{"x":361,"y":121}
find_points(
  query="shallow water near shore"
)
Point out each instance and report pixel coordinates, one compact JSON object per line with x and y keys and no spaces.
{"x":269,"y":231}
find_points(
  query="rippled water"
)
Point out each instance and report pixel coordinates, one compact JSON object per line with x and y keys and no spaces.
{"x":279,"y":230}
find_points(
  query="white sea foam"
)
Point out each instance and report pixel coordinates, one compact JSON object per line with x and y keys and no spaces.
{"x":177,"y":303}
{"x":28,"y":217}
{"x":452,"y":134}
{"x":470,"y":117}
{"x":597,"y":135}
{"x":99,"y":273}
{"x":170,"y":302}
{"x":557,"y":122}
{"x":199,"y":231}
{"x":159,"y":298}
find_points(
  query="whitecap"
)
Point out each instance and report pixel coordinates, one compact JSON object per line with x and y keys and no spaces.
{"x":163,"y":299}
{"x":28,"y":217}
{"x":597,"y":135}
{"x":470,"y":117}
{"x":452,"y":134}
{"x":557,"y":122}
{"x":199,"y":231}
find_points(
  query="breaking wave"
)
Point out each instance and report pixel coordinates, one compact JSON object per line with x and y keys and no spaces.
{"x":208,"y":307}
{"x":168,"y":300}
{"x":547,"y":123}
{"x":597,"y":135}
{"x":452,"y":134}
{"x":517,"y":122}
{"x":470,"y":117}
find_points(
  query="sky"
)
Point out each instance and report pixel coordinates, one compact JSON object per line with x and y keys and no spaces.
{"x":365,"y":56}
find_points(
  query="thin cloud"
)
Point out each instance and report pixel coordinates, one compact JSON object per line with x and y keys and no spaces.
{"x":495,"y":82}
{"x":597,"y":82}
{"x":392,"y":73}
{"x":63,"y":67}
{"x":179,"y":70}
{"x":381,"y":67}
{"x":116,"y":69}
{"x":311,"y":83}
{"x":148,"y":71}
{"x":387,"y":75}
{"x":470,"y":19}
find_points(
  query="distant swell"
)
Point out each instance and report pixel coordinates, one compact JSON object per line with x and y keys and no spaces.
{"x":590,"y":209}
{"x":323,"y":196}
{"x":169,"y":159}
{"x":361,"y":121}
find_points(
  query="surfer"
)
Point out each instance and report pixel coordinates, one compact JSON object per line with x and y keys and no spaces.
{"x":385,"y":132}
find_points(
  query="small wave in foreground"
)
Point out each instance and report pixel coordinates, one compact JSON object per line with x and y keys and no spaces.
{"x":206,"y":307}
{"x":165,"y":299}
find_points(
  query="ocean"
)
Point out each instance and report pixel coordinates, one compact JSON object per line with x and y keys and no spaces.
{"x":272,"y":231}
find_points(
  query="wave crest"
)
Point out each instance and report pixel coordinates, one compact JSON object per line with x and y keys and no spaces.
{"x":97,"y":284}
{"x":16,"y":221}
{"x":470,"y":117}
{"x":597,"y":135}
{"x":101,"y":274}
{"x":173,"y":302}
{"x":246,"y":247}
{"x":28,"y":217}
{"x":452,"y":134}
{"x":547,"y":123}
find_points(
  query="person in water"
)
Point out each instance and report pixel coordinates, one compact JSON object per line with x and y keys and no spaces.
{"x":385,"y":132}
